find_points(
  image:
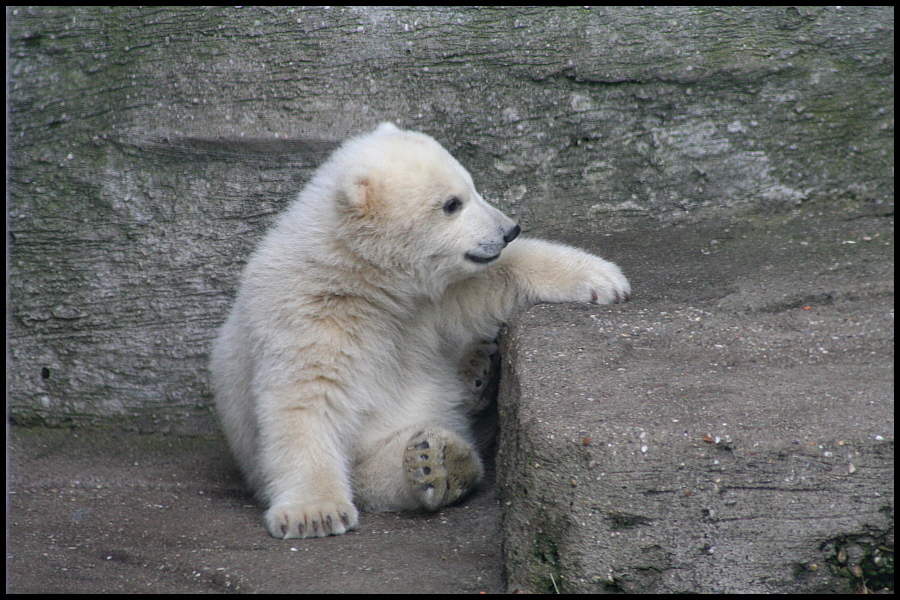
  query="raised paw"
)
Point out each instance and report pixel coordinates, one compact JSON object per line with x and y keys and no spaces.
{"x":303,"y":520}
{"x":440,"y":467}
{"x":606,"y":283}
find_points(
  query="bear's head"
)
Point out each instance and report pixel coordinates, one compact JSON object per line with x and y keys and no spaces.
{"x":408,"y":204}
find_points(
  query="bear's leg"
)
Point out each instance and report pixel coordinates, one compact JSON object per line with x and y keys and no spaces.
{"x":307,"y":477}
{"x":440,"y":467}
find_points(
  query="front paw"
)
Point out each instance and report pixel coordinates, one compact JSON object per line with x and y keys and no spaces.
{"x":313,"y":519}
{"x":604,"y":283}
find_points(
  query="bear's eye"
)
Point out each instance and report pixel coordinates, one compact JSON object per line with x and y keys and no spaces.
{"x":452,"y":205}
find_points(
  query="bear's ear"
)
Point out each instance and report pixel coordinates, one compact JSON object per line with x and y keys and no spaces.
{"x":360,"y":194}
{"x":386,"y":127}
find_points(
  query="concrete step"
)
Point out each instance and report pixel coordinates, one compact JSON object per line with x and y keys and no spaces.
{"x":728,"y":430}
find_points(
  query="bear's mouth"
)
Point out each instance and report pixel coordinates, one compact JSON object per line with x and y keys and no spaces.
{"x":481,"y":260}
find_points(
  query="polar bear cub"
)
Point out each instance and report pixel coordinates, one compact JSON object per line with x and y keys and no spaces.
{"x":337,"y":375}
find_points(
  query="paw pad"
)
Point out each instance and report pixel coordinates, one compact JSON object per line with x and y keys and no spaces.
{"x":440,"y":467}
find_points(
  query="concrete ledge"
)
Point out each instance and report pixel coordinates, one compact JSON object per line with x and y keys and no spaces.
{"x":729,"y":430}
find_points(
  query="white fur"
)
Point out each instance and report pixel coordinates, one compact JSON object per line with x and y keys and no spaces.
{"x":352,"y":319}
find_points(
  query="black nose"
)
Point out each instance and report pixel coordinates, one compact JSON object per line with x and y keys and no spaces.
{"x":512,"y":234}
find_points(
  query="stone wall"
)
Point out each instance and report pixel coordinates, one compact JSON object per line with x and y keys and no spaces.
{"x":149,"y":149}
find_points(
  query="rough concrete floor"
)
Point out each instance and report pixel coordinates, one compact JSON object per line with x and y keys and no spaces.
{"x":92,"y":511}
